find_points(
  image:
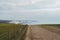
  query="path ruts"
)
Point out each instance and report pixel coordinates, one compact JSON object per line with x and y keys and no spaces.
{"x":38,"y":33}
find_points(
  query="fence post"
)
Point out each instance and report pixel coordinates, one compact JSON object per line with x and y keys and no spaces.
{"x":8,"y":33}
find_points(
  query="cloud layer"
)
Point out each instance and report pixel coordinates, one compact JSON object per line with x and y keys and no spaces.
{"x":30,"y":9}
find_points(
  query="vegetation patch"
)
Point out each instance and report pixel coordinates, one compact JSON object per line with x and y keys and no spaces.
{"x":12,"y":31}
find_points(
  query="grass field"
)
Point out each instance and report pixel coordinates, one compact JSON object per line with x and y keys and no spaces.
{"x":11,"y":31}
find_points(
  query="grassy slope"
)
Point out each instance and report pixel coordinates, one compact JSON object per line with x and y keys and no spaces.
{"x":7,"y":27}
{"x":13,"y":30}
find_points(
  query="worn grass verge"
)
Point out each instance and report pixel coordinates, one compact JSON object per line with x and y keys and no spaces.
{"x":52,"y":27}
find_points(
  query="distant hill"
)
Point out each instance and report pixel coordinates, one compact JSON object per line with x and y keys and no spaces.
{"x":18,"y":21}
{"x":22,"y":21}
{"x":5,"y":21}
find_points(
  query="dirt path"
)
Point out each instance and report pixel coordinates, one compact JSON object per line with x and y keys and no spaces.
{"x":38,"y":33}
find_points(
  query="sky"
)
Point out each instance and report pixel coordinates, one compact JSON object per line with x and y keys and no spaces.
{"x":45,"y":11}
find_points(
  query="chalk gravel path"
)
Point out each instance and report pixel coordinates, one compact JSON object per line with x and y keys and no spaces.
{"x":38,"y":33}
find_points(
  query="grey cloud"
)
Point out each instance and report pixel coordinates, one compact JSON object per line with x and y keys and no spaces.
{"x":13,"y":4}
{"x":10,"y":9}
{"x":19,"y":4}
{"x":40,"y":5}
{"x":46,"y":4}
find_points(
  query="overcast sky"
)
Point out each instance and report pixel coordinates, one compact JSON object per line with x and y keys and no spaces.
{"x":47,"y":11}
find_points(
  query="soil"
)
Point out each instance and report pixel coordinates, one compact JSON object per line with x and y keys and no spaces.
{"x":39,"y":33}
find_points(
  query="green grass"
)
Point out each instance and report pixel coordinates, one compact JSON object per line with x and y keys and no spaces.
{"x":8,"y":27}
{"x":12,"y":31}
